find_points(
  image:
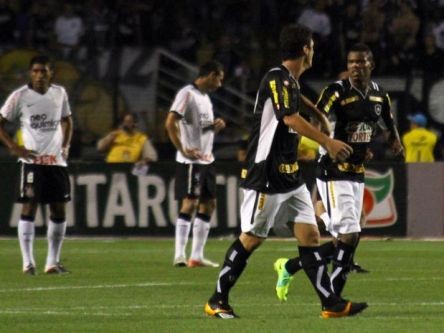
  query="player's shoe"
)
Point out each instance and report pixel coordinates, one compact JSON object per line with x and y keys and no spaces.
{"x":355,"y":267}
{"x":202,"y":263}
{"x":343,"y":309}
{"x":56,"y":269}
{"x":180,"y":262}
{"x":219,"y":310}
{"x":283,"y":280}
{"x":30,"y":270}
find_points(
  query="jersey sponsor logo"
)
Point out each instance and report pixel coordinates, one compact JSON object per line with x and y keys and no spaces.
{"x":358,"y":132}
{"x":40,"y":122}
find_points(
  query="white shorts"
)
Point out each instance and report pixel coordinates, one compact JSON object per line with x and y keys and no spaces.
{"x":260,"y":212}
{"x":342,"y":200}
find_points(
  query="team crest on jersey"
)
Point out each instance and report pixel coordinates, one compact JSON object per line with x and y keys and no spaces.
{"x":378,"y":109}
{"x":286,"y":83}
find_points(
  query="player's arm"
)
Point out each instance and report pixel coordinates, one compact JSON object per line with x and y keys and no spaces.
{"x":67,"y":128}
{"x":13,"y":147}
{"x":337,"y":149}
{"x":320,"y":117}
{"x":394,"y":140}
{"x":173,"y":130}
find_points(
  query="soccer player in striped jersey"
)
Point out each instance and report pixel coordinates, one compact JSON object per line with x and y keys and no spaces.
{"x":272,"y":183}
{"x":44,"y":115}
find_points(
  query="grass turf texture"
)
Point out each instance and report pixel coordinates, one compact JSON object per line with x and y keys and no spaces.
{"x":130,"y":285}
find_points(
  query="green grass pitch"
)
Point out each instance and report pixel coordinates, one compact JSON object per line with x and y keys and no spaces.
{"x":129,"y":285}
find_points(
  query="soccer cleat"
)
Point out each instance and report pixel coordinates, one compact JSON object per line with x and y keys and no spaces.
{"x":30,"y":270}
{"x":56,"y":269}
{"x":180,"y":262}
{"x":202,"y":263}
{"x":220,"y":310}
{"x":284,"y":279}
{"x":343,"y":309}
{"x":355,"y":267}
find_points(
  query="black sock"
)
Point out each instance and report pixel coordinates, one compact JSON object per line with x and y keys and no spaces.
{"x":234,"y":264}
{"x":352,"y":260}
{"x":326,"y":251}
{"x":316,"y":269}
{"x":341,"y":266}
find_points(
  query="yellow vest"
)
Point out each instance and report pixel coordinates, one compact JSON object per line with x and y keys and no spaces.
{"x":126,"y":148}
{"x":419,"y":144}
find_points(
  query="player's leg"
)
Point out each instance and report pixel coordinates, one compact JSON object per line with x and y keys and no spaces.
{"x":56,"y":234}
{"x":256,"y":212}
{"x":26,"y":235}
{"x":314,"y":265}
{"x":355,"y":267}
{"x":29,"y":191}
{"x":201,"y":223}
{"x":186,"y":190}
{"x":57,"y":193}
{"x":346,"y":205}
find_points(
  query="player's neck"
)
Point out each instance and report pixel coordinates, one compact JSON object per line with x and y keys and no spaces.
{"x":295,"y":67}
{"x":201,"y":85}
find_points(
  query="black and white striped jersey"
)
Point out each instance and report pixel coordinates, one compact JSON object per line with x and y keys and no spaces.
{"x":271,"y":163}
{"x":355,"y":116}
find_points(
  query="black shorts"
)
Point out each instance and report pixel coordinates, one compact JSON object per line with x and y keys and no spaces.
{"x":44,"y":184}
{"x":195,"y":181}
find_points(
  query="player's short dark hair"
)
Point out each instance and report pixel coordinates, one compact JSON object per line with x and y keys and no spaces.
{"x":361,"y":47}
{"x":210,"y":67}
{"x":41,"y":60}
{"x":292,"y":40}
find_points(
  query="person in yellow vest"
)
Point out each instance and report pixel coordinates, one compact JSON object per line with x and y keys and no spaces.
{"x":127,"y":144}
{"x":419,"y":142}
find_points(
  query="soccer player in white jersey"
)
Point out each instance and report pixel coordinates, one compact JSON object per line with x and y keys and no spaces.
{"x":44,"y":115}
{"x":272,"y":185}
{"x":191,"y":127}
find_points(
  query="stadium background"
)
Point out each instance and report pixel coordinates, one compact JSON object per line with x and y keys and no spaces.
{"x":133,"y":56}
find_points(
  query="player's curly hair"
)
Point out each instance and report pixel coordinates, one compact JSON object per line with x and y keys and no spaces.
{"x":292,"y":40}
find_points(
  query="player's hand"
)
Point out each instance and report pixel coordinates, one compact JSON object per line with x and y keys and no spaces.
{"x":22,"y":152}
{"x":192,"y":154}
{"x":398,"y":149}
{"x":219,"y":124}
{"x":338,"y":150}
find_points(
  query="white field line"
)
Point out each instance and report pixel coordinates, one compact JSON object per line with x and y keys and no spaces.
{"x":129,"y":310}
{"x":167,"y":284}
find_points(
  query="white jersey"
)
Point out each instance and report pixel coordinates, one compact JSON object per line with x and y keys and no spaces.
{"x":40,"y":121}
{"x":197,"y":123}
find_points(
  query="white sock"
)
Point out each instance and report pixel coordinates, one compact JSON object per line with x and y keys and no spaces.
{"x":201,"y":229}
{"x":182,"y":233}
{"x":26,"y":234}
{"x":56,"y":234}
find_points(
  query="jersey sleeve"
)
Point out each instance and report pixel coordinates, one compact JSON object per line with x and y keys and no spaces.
{"x":386,"y":114}
{"x":66,"y":109}
{"x":278,"y":88}
{"x":329,"y":98}
{"x":10,"y":110}
{"x":180,"y":102}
